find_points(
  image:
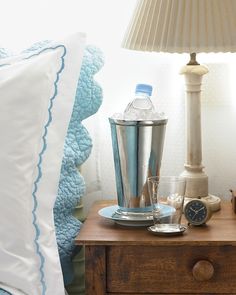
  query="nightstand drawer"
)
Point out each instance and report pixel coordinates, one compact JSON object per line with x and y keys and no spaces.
{"x":171,"y":269}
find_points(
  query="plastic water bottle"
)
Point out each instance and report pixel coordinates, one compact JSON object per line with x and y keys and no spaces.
{"x":141,"y":107}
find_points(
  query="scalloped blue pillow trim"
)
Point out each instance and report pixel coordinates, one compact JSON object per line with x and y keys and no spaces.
{"x":39,"y":176}
{"x":39,"y":169}
{"x":77,"y":148}
{"x":3,"y":292}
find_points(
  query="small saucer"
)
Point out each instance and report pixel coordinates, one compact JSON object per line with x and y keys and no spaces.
{"x":167,"y":229}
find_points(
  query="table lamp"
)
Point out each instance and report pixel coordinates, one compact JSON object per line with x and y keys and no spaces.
{"x":187,"y":26}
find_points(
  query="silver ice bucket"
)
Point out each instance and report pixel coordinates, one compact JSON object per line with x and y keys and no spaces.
{"x":137,"y":152}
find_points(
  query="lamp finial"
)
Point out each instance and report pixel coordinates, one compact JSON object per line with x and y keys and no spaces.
{"x":193,"y":61}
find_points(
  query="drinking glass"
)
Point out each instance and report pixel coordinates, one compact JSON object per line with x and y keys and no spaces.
{"x":167,"y":199}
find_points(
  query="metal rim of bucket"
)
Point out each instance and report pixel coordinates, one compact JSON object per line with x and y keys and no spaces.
{"x":138,"y":122}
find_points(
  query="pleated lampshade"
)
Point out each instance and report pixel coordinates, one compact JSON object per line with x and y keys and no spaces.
{"x":183,"y":26}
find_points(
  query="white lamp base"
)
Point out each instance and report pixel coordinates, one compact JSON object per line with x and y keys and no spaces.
{"x":196,"y":179}
{"x":213,"y":202}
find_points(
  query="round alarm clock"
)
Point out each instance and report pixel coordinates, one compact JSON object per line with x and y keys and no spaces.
{"x":197,"y":212}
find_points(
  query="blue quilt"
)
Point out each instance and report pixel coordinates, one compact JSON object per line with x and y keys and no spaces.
{"x":77,"y":148}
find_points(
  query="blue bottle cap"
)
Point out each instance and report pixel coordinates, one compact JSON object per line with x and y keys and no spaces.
{"x":145,"y":88}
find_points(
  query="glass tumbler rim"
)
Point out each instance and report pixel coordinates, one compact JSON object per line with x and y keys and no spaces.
{"x":166,"y":179}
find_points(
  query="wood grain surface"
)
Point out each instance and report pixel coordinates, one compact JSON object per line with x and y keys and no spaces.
{"x":123,"y":260}
{"x":220,"y":230}
{"x":169,"y":269}
{"x":95,"y":270}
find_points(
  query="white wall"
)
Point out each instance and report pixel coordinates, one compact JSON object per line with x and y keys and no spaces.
{"x":26,"y":21}
{"x":218,"y":116}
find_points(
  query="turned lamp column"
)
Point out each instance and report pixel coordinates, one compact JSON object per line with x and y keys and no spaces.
{"x":196,"y":179}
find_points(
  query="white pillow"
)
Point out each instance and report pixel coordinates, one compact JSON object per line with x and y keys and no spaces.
{"x":36,"y":98}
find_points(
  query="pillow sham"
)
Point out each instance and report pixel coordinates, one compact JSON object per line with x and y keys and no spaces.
{"x":37,"y":91}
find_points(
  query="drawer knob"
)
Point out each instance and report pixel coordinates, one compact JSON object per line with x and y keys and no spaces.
{"x":203,"y":270}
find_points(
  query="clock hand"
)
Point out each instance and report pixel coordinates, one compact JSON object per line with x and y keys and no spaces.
{"x":200,"y":209}
{"x":192,"y":210}
{"x":195,"y":212}
{"x":194,"y":215}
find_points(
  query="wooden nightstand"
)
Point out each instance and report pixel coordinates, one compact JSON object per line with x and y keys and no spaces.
{"x":127,"y":260}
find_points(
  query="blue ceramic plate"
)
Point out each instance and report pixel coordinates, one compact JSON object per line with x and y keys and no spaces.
{"x":111,"y":212}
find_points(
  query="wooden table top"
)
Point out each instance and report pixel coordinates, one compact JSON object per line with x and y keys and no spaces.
{"x":220,"y":230}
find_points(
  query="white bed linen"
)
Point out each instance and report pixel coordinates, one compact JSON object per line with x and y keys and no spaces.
{"x":36,"y":99}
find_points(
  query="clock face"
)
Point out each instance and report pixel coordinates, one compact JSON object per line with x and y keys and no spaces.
{"x":196,"y":212}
